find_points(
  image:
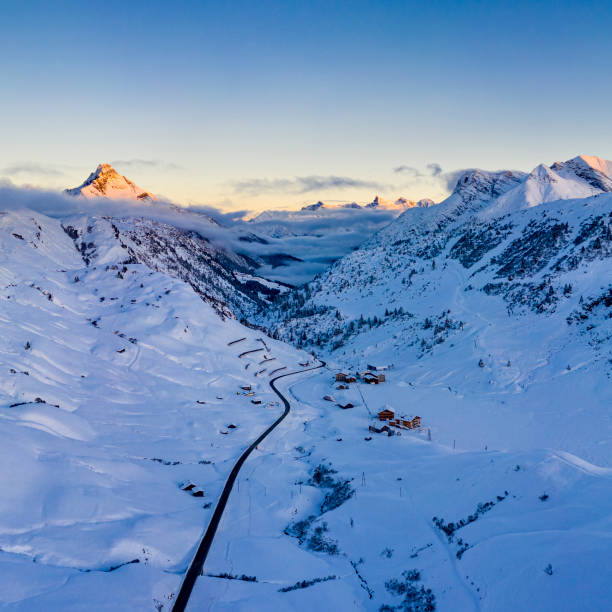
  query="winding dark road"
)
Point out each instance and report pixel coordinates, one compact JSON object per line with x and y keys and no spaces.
{"x":195,"y":568}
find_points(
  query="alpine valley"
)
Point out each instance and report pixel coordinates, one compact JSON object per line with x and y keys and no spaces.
{"x":138,"y":340}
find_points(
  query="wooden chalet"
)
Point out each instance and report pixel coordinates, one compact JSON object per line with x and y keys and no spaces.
{"x":340,"y":377}
{"x":373,"y":379}
{"x":386,"y":415}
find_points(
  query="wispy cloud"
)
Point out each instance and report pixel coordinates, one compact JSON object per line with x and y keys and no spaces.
{"x":145,"y":163}
{"x":31,"y":168}
{"x":431,"y":169}
{"x":304,"y":184}
{"x":434,"y":169}
{"x":222,"y":217}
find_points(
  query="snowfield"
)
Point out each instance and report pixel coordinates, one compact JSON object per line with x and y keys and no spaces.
{"x":547,"y":509}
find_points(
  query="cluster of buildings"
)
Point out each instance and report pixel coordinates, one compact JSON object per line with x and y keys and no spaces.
{"x":402,"y":422}
{"x":372,"y":376}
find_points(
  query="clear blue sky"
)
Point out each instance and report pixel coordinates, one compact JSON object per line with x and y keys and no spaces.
{"x":227,"y":103}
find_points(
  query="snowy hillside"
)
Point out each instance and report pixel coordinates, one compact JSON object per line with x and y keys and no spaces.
{"x":501,"y":313}
{"x":492,"y":313}
{"x":214,"y":273}
{"x":118,"y":391}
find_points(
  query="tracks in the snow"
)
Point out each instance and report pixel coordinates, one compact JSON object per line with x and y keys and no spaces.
{"x":196,"y":565}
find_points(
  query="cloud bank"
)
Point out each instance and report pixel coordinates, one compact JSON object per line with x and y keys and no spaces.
{"x":145,"y":163}
{"x":317,"y":239}
{"x":303,"y":184}
{"x":432,"y":169}
{"x":31,"y":168}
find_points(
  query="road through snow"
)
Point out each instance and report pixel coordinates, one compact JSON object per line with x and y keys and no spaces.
{"x":196,"y":565}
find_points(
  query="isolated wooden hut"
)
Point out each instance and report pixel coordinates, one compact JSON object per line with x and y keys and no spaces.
{"x":386,"y":415}
{"x":377,"y":368}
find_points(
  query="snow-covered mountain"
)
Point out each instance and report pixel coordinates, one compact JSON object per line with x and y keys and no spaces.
{"x":521,"y":285}
{"x":106,"y":182}
{"x":400,"y":205}
{"x":491,"y":314}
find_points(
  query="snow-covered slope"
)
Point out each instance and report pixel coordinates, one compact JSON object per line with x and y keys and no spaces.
{"x":117,"y":390}
{"x":184,"y":254}
{"x":562,"y":181}
{"x":106,"y":182}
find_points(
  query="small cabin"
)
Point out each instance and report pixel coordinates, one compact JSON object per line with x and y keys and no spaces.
{"x":386,"y":415}
{"x":370,"y":380}
{"x":340,"y":377}
{"x":246,"y":387}
{"x":350,"y":379}
{"x":377,"y":368}
{"x":329,"y":398}
{"x":346,"y":406}
{"x":255,"y":401}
